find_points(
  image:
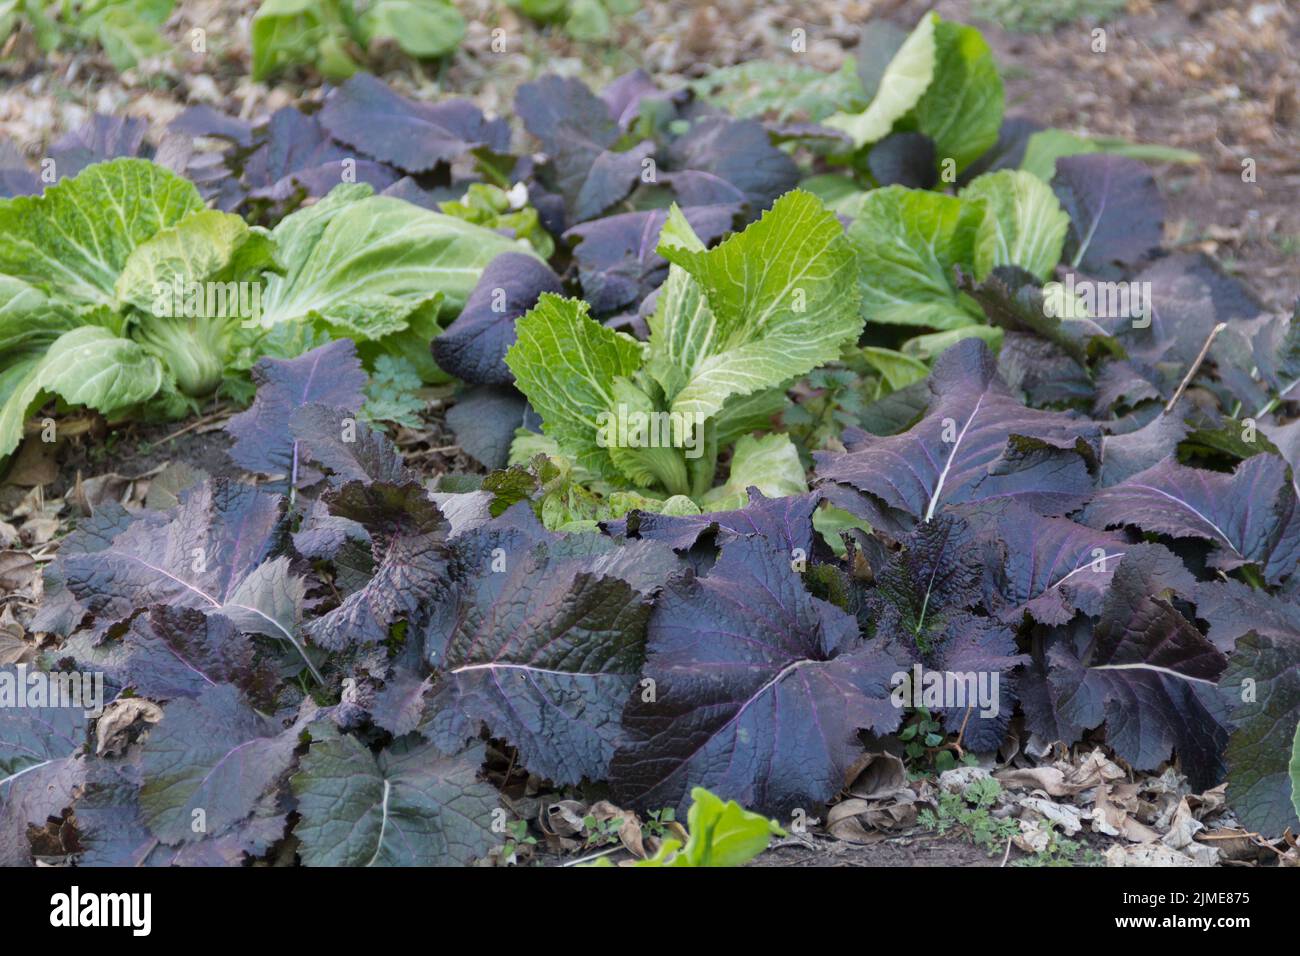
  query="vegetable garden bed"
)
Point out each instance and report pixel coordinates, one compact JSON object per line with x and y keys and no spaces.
{"x":400,"y":479}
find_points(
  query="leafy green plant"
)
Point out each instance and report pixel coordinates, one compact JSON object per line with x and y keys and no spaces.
{"x":494,"y":208}
{"x":334,"y":35}
{"x":128,"y":31}
{"x":391,"y":394}
{"x":582,"y":19}
{"x":923,"y":740}
{"x":731,"y":326}
{"x":721,"y":834}
{"x":968,"y":813}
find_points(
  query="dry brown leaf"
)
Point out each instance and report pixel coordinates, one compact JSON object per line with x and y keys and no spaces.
{"x":18,"y":571}
{"x":1047,"y":779}
{"x":877,"y":776}
{"x":563,"y":818}
{"x":113,"y":730}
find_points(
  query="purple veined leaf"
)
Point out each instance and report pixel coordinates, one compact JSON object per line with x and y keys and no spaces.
{"x":410,"y":805}
{"x":368,"y":115}
{"x":172,"y":652}
{"x":98,"y":140}
{"x":215,"y":553}
{"x":60,"y":612}
{"x":408,"y":537}
{"x":1042,"y":372}
{"x":1117,"y":214}
{"x":578,"y":135}
{"x":1123,"y":383}
{"x":739,"y":152}
{"x":320,"y":178}
{"x":1251,"y":515}
{"x":976,"y":657}
{"x":484,"y":420}
{"x":1233,"y":609}
{"x":1053,"y":567}
{"x":1190,"y":294}
{"x":213,"y":754}
{"x":352,"y":451}
{"x":937,"y":574}
{"x":1261,"y":686}
{"x":39,"y":769}
{"x":758,"y":690}
{"x":617,"y":261}
{"x":784,"y":522}
{"x":1145,"y":672}
{"x":330,"y":374}
{"x":542,"y":641}
{"x":474,"y":346}
{"x":975,"y":443}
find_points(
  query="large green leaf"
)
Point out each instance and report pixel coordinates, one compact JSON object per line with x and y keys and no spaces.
{"x":567,"y":364}
{"x":1024,"y":226}
{"x":901,"y":86}
{"x":962,"y":109}
{"x":781,"y":300}
{"x":909,"y":242}
{"x":87,"y":366}
{"x":770,"y":464}
{"x":74,"y":240}
{"x":204,"y":245}
{"x":362,"y":264}
{"x":422,"y":28}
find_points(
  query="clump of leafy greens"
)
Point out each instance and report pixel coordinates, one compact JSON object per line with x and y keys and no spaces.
{"x":731,"y":326}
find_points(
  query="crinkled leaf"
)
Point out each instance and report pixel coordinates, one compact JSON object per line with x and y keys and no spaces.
{"x":961,"y":110}
{"x":408,"y":535}
{"x":543,"y":643}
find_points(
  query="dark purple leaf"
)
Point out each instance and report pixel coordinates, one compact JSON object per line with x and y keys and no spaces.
{"x":98,"y":140}
{"x":330,"y":374}
{"x":1145,"y":672}
{"x":1123,"y":456}
{"x":202,"y":120}
{"x":1262,"y":688}
{"x":408,"y":806}
{"x":784,"y":522}
{"x":16,"y":179}
{"x":758,"y":690}
{"x":213,"y":754}
{"x":542,"y":641}
{"x":976,"y":443}
{"x":624,"y":96}
{"x":415,"y":137}
{"x":1117,"y":214}
{"x":38,"y":767}
{"x":578,"y":135}
{"x":484,"y":420}
{"x":617,"y":262}
{"x":739,"y":152}
{"x":1251,"y":515}
{"x":1233,"y":609}
{"x":350,"y":449}
{"x":408,"y":535}
{"x":904,"y":159}
{"x":474,"y":346}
